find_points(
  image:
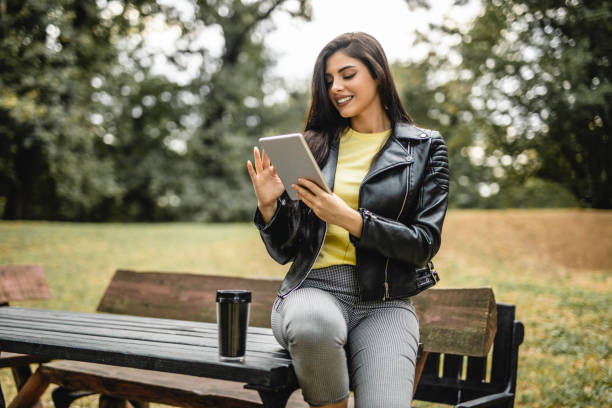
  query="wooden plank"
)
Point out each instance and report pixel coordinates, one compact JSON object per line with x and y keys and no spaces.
{"x":13,"y":359}
{"x":261,"y":368}
{"x":30,"y":392}
{"x":72,"y":346}
{"x":171,"y":389}
{"x":201,"y":337}
{"x":23,"y":282}
{"x":257,"y":345}
{"x":183,"y":296}
{"x":459,"y":321}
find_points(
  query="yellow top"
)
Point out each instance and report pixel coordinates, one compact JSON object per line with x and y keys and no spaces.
{"x":355,"y":155}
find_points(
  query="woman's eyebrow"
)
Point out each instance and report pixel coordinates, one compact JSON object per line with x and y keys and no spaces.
{"x":341,"y":69}
{"x":346,"y":67}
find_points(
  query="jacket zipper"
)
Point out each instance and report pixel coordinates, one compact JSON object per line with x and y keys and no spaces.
{"x":309,"y":268}
{"x":316,"y":256}
{"x":386,"y":295}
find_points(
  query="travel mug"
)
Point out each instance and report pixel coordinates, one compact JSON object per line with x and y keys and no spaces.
{"x":233,"y":309}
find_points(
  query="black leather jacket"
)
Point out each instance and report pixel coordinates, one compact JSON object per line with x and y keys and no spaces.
{"x":402,"y":199}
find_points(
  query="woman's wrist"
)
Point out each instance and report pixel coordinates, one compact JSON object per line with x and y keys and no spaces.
{"x":353,"y":223}
{"x":267,"y":211}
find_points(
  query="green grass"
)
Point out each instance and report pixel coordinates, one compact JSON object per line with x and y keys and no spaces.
{"x":554,"y":266}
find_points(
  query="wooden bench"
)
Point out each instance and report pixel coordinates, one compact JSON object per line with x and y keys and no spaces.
{"x":468,"y":381}
{"x":461,"y":321}
{"x":21,"y":282}
{"x":174,"y":296}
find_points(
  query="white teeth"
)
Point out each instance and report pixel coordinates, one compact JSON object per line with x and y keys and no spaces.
{"x":346,"y":99}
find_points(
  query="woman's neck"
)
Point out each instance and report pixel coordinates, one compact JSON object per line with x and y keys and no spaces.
{"x":371,"y":122}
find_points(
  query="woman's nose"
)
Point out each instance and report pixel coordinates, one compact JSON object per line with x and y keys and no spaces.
{"x":337,"y":86}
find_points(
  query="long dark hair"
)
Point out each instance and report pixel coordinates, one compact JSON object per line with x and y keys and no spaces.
{"x":323,"y":123}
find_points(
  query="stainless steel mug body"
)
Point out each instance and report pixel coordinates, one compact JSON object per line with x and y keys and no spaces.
{"x":233,"y":310}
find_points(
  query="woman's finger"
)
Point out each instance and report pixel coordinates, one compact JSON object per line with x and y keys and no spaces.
{"x":257,"y":156}
{"x":251,"y":171}
{"x":304,"y":192}
{"x":302,"y":196}
{"x":312,"y":187}
{"x":273,"y":170}
{"x":265,"y":159}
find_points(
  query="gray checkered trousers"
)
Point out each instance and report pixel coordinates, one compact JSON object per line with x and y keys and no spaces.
{"x":339,"y":342}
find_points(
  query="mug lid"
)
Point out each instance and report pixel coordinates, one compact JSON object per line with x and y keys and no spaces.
{"x":233,"y":296}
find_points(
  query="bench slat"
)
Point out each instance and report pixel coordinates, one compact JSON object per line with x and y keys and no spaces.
{"x":13,"y":359}
{"x":183,"y":296}
{"x":172,"y":389}
{"x":130,"y":383}
{"x":452,"y":390}
{"x":457,"y":321}
{"x":200,"y":336}
{"x":185,"y":358}
{"x":22,"y":282}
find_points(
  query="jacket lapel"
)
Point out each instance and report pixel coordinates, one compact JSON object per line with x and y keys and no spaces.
{"x":394,"y":153}
{"x":329,"y":170}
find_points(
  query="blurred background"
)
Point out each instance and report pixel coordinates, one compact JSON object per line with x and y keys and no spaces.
{"x":135,"y":118}
{"x":147,"y":110}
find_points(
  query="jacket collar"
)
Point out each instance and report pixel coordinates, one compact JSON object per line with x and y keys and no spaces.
{"x":408,"y":131}
{"x":393,"y":154}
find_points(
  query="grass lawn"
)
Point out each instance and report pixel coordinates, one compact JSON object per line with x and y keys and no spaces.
{"x":554,"y":265}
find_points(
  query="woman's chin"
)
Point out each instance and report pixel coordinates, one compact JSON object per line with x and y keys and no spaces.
{"x":345,"y":113}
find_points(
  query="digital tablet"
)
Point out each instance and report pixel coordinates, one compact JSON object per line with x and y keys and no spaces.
{"x":292,"y":159}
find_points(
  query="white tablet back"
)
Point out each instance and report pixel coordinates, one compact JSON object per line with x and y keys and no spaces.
{"x":292,"y":159}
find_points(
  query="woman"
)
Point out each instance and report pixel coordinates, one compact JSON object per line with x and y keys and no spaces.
{"x":343,"y":310}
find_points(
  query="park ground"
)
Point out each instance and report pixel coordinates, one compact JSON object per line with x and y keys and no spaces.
{"x":554,"y":265}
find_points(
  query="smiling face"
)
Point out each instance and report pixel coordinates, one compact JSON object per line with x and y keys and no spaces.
{"x":353,"y":91}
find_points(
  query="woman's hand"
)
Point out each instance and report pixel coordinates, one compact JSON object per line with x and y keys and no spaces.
{"x":268,"y":186}
{"x":329,"y":207}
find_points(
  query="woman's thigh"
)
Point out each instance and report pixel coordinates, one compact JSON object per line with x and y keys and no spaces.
{"x":309,"y":313}
{"x":312,"y":325}
{"x":383,"y":351}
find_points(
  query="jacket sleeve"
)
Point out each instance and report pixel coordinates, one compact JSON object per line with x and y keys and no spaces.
{"x":279,"y":234}
{"x":417,"y":240}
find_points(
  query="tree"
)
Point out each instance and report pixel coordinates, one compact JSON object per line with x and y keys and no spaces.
{"x":91,"y":129}
{"x":50,"y":51}
{"x":531,"y":96}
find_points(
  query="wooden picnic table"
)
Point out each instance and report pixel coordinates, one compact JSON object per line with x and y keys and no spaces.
{"x":175,"y":346}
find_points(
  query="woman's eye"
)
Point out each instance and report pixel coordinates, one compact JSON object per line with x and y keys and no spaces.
{"x":350,"y":76}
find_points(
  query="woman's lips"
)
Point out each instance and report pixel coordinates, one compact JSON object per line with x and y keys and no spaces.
{"x":344,"y":100}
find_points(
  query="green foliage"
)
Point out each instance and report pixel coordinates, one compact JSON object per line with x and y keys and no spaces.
{"x":48,"y":164}
{"x":92,"y":131}
{"x":524,"y":99}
